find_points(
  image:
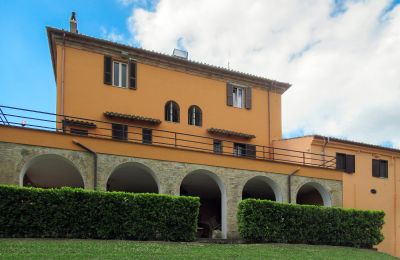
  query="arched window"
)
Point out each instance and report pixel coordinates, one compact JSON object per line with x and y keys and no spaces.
{"x":195,"y":116}
{"x":172,"y":112}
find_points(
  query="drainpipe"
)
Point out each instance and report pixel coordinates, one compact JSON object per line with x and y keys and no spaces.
{"x":95,"y":161}
{"x":290,"y":184}
{"x":62,"y":82}
{"x":326,"y":141}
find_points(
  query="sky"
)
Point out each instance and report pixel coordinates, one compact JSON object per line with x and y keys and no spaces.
{"x":341,"y":57}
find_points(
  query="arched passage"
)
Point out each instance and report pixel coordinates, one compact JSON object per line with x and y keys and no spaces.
{"x":261,"y":187}
{"x":133,"y":177}
{"x":51,"y":171}
{"x":313,"y":193}
{"x":211,"y":190}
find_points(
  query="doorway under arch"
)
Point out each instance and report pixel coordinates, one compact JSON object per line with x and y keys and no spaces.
{"x":51,"y":171}
{"x":313,"y":193}
{"x":133,"y":177}
{"x":211,"y":190}
{"x":261,"y":187}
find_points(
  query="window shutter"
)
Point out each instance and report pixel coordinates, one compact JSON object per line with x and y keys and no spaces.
{"x":107,"y":70}
{"x":383,"y":169}
{"x":350,"y":163}
{"x":248,"y":98}
{"x":199,"y":118}
{"x":229,"y":94}
{"x":132,"y":75}
{"x":375,"y":168}
{"x":251,"y":150}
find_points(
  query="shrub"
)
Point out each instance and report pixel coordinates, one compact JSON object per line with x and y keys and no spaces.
{"x":267,"y":221}
{"x":78,"y":213}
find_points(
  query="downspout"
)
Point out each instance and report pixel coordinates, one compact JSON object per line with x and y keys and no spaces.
{"x":62,"y":75}
{"x":269,"y":120}
{"x":290,"y":184}
{"x":326,"y":141}
{"x":395,"y":206}
{"x":94,"y":159}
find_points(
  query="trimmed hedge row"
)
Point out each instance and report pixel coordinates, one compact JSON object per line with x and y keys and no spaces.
{"x":78,"y":213}
{"x":267,"y":221}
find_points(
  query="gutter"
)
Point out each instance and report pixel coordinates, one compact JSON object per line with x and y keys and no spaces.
{"x":290,"y":184}
{"x":95,"y":161}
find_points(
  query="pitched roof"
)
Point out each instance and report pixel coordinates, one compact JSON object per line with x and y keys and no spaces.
{"x":153,"y":57}
{"x":350,"y":142}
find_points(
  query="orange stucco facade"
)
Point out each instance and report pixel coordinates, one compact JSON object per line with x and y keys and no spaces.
{"x":79,"y":65}
{"x":360,"y":189}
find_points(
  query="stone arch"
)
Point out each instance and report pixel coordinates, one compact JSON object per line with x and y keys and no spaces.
{"x":313,"y":193}
{"x":262,"y":187}
{"x":51,"y":171}
{"x":133,"y":177}
{"x":212,"y":192}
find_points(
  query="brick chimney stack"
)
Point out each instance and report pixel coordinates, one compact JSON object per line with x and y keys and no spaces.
{"x":73,"y":25}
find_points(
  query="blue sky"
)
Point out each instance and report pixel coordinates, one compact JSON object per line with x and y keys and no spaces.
{"x":26,"y":72}
{"x":328,"y":57}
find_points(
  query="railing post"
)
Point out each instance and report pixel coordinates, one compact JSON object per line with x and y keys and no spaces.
{"x":273,"y":153}
{"x":263,"y":152}
{"x":304,"y":158}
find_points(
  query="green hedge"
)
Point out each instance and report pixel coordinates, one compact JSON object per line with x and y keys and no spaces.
{"x":78,"y":213}
{"x":267,"y":221}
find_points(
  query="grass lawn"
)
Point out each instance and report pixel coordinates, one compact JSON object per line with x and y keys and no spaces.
{"x":117,"y":249}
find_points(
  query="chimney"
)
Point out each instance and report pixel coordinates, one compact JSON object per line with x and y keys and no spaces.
{"x":73,"y":25}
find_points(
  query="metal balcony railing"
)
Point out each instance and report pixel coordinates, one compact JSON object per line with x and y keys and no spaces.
{"x":28,"y":118}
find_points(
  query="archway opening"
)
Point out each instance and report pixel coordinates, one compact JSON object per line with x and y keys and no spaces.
{"x":261,"y":187}
{"x":211,"y":191}
{"x":51,"y":171}
{"x":313,"y":194}
{"x":132,"y":177}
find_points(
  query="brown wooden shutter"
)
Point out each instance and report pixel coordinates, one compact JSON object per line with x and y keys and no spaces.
{"x":248,"y":98}
{"x":383,"y":171}
{"x":229,"y":94}
{"x":107,"y":70}
{"x":350,"y":163}
{"x":375,"y":168}
{"x":251,"y":150}
{"x":132,"y":75}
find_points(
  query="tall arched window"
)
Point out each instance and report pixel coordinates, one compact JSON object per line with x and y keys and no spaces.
{"x":194,"y":116}
{"x":172,"y":112}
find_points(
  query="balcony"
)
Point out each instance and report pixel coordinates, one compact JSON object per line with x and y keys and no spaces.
{"x":122,"y":131}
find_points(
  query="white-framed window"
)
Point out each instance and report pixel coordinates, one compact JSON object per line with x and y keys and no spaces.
{"x":238,"y":97}
{"x":120,"y":74}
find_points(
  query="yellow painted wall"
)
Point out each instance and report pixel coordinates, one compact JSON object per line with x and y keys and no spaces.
{"x":86,"y":96}
{"x":357,"y":188}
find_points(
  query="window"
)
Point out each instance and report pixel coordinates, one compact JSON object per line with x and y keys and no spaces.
{"x":76,"y":131}
{"x":120,"y":78}
{"x":239,"y":149}
{"x":345,"y":162}
{"x":244,"y":150}
{"x":239,"y":96}
{"x":195,"y":116}
{"x":379,"y":168}
{"x":217,"y":145}
{"x":119,"y":131}
{"x":116,"y":73}
{"x":172,"y":112}
{"x":147,"y":135}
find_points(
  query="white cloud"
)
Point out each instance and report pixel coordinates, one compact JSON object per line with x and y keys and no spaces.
{"x":345,"y":69}
{"x":113,"y":35}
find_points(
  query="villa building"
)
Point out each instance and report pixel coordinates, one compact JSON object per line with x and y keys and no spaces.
{"x":134,"y":120}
